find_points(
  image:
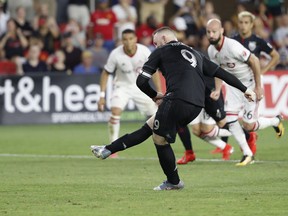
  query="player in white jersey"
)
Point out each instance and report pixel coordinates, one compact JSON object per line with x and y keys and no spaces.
{"x":239,"y":61}
{"x":125,"y":62}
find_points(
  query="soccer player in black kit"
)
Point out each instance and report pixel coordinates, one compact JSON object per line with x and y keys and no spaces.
{"x":254,"y":43}
{"x":183,"y":69}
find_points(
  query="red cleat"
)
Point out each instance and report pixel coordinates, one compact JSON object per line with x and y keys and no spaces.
{"x":227,"y":151}
{"x":216,"y":151}
{"x":188,"y":157}
{"x":252,"y":142}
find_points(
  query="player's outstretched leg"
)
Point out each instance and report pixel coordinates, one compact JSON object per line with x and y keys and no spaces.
{"x":122,"y":143}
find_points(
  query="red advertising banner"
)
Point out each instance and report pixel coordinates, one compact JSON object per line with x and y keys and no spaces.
{"x":275,"y":84}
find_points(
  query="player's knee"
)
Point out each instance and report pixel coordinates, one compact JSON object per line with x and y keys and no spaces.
{"x":248,"y":126}
{"x":196,"y":130}
{"x":221,"y":123}
{"x":159,"y":140}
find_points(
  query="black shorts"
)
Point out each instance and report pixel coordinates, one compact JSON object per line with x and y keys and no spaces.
{"x":215,"y":109}
{"x":171,"y":115}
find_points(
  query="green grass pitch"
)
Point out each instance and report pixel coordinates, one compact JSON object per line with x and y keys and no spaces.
{"x":49,"y":170}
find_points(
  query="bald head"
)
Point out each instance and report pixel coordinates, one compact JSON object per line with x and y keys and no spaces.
{"x":214,"y":31}
{"x":163,"y":36}
{"x":214,"y":23}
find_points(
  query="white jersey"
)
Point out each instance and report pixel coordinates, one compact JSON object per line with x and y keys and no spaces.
{"x":232,"y":56}
{"x":126,"y":68}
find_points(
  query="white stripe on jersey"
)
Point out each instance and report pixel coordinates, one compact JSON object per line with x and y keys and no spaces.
{"x":145,"y":74}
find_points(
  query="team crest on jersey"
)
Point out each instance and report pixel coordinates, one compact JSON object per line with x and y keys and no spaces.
{"x":230,"y":65}
{"x":252,"y":45}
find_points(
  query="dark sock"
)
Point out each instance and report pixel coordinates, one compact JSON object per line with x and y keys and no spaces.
{"x":247,"y":134}
{"x":129,"y":140}
{"x":167,"y":161}
{"x":185,"y":137}
{"x":225,"y":139}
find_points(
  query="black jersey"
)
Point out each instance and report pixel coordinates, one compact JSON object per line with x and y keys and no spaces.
{"x":255,"y":44}
{"x":184,"y":69}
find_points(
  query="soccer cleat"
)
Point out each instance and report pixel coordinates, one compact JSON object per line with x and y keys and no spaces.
{"x":279,"y":129}
{"x":216,"y":151}
{"x":114,"y":155}
{"x":246,"y":160}
{"x":168,"y":186}
{"x":227,"y":151}
{"x":100,"y":151}
{"x":252,"y":142}
{"x":188,"y":157}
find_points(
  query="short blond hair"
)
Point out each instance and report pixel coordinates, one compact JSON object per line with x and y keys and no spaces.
{"x":246,"y":14}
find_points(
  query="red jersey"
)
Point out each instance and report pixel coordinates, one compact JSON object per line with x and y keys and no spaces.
{"x":103,"y":22}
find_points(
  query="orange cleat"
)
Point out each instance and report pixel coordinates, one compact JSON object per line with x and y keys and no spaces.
{"x":216,"y":151}
{"x":189,"y":156}
{"x":252,"y":142}
{"x":227,"y":151}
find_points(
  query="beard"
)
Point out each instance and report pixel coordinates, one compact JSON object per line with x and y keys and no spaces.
{"x":214,"y":42}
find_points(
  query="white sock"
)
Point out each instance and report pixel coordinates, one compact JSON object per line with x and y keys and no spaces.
{"x":216,"y":131}
{"x":237,"y":131}
{"x":114,"y":128}
{"x":266,"y":122}
{"x":223,"y":132}
{"x":216,"y":141}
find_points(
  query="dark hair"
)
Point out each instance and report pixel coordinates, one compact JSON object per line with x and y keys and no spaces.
{"x":128,"y":31}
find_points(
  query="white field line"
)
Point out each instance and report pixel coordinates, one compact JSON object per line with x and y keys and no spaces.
{"x":119,"y":158}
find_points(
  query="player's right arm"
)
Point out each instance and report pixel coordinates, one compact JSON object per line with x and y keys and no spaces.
{"x":213,"y":70}
{"x":149,"y":68}
{"x":254,"y":63}
{"x":109,"y":67}
{"x":215,"y":94}
{"x":103,"y":85}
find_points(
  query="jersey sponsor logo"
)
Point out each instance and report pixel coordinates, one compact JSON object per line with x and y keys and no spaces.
{"x":252,"y":45}
{"x":244,"y":53}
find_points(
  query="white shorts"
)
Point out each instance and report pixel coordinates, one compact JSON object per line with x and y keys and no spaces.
{"x":122,"y":94}
{"x":235,"y":103}
{"x":204,"y":118}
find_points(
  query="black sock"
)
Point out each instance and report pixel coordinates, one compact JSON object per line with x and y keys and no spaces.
{"x":247,"y":134}
{"x":167,"y":161}
{"x":129,"y":140}
{"x":185,"y":137}
{"x":225,"y":139}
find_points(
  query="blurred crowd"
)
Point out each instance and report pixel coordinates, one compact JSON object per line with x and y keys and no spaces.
{"x":68,"y":36}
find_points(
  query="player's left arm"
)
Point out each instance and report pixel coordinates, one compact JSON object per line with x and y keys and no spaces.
{"x":157,"y":81}
{"x":254,"y":63}
{"x":275,"y":59}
